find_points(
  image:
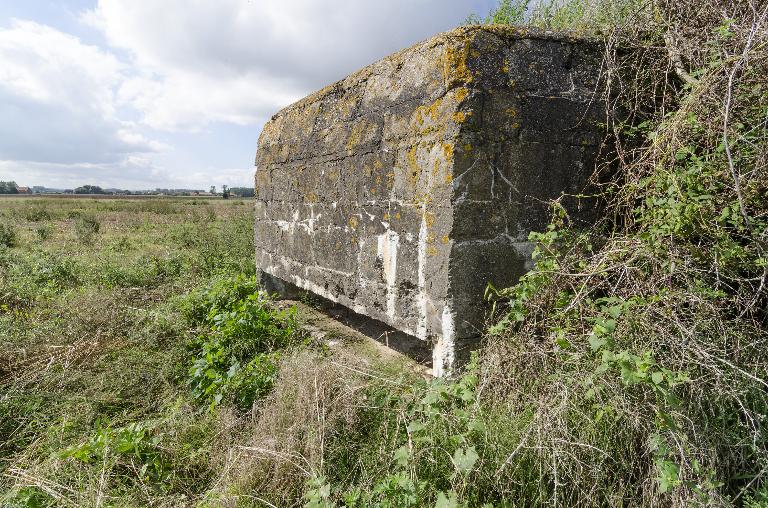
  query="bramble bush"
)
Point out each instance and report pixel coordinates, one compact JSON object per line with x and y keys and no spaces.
{"x":86,"y":228}
{"x":236,"y":357}
{"x":8,"y":237}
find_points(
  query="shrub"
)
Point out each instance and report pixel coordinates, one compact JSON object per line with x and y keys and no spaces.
{"x":8,"y":237}
{"x":86,"y":228}
{"x":43,"y":232}
{"x":218,"y":295}
{"x":638,"y":346}
{"x":49,"y":270}
{"x":134,"y":444}
{"x":36,"y":214}
{"x":236,"y":359}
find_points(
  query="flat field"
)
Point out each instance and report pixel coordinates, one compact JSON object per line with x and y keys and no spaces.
{"x":91,"y":336}
{"x":140,"y":364}
{"x":97,"y":342}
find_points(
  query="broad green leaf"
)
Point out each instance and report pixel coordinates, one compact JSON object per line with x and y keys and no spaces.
{"x":402,"y":455}
{"x":447,"y":501}
{"x":464,"y":459}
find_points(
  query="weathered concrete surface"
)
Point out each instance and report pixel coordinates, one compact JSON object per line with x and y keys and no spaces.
{"x":404,"y":189}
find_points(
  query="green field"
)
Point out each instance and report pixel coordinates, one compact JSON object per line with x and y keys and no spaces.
{"x":103,"y":303}
{"x":93,"y":338}
{"x":141,"y":366}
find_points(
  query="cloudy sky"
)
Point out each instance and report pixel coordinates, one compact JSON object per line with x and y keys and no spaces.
{"x":173,"y":93}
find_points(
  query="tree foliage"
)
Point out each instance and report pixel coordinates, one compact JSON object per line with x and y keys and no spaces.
{"x":89,"y":189}
{"x":9,"y":188}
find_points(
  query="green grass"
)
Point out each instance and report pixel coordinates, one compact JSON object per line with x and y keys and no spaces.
{"x":95,"y":401}
{"x":142,"y":366}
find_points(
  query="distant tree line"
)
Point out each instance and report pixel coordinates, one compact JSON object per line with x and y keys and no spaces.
{"x":89,"y":189}
{"x":9,"y":188}
{"x":243,"y":192}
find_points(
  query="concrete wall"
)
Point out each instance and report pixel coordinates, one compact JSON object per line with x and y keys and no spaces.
{"x":404,"y":189}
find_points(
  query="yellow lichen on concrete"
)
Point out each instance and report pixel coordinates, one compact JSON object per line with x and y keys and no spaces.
{"x":455,"y":64}
{"x":355,"y":135}
{"x":332,"y":173}
{"x":414,"y":170}
{"x":262,"y":177}
{"x":461,"y":93}
{"x":434,"y":109}
{"x":448,"y":152}
{"x":390,"y":176}
{"x":432,"y":113}
{"x":461,"y":116}
{"x":424,"y":198}
{"x":353,"y":222}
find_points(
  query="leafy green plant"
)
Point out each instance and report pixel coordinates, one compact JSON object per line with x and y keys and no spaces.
{"x":27,"y":497}
{"x":433,"y":433}
{"x":214,"y":376}
{"x":86,"y":228}
{"x":37,"y":214}
{"x":44,"y":233}
{"x":237,"y":359}
{"x":8,"y":237}
{"x":135,"y":443}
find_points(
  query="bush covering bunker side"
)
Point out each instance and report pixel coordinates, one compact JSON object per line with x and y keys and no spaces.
{"x":406,"y":188}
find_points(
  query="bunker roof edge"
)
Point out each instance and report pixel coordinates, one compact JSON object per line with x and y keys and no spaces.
{"x":460,"y":35}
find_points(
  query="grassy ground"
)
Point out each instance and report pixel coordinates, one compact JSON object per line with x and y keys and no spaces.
{"x":141,"y":366}
{"x":93,"y":337}
{"x":103,"y":317}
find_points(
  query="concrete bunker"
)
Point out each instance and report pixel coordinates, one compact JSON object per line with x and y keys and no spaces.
{"x":402,"y":190}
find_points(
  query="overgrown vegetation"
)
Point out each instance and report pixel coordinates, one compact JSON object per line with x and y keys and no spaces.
{"x":236,"y":358}
{"x":627,"y":369}
{"x":108,"y":311}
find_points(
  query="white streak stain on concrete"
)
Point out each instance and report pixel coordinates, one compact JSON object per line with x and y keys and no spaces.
{"x":307,"y":224}
{"x":386,"y":250}
{"x":421,"y":298}
{"x":444,"y":352}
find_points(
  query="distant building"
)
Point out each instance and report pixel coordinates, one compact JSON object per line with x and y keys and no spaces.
{"x":23,"y":190}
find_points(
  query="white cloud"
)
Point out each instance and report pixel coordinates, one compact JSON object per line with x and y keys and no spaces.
{"x":133,"y":172}
{"x":188,"y":101}
{"x":74,"y":113}
{"x":240,"y":61}
{"x":57,"y":99}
